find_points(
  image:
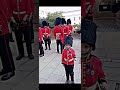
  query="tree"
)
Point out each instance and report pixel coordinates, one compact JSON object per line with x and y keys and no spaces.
{"x":52,"y":16}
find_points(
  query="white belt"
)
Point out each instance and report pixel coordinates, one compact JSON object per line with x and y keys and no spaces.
{"x":22,"y":12}
{"x":58,"y":33}
{"x":87,"y":3}
{"x":68,"y":60}
{"x":45,"y":33}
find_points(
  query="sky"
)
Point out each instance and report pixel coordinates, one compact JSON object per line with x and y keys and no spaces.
{"x":54,"y":9}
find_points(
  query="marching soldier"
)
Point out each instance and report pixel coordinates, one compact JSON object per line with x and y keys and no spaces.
{"x":87,"y":9}
{"x":46,"y":34}
{"x":8,"y":69}
{"x":58,"y":34}
{"x":68,"y":58}
{"x":11,"y":5}
{"x":65,"y":29}
{"x":41,"y":42}
{"x":70,"y":27}
{"x":31,"y":20}
{"x":21,"y":15}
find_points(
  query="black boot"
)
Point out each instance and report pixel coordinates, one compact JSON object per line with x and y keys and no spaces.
{"x":7,"y":76}
{"x":31,"y":56}
{"x":20,"y":57}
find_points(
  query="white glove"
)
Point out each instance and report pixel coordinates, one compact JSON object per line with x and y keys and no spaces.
{"x":75,"y":59}
{"x":25,"y":17}
{"x":13,"y":20}
{"x":104,"y":86}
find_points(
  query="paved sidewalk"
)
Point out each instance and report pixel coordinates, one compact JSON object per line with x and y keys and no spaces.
{"x":50,"y":68}
{"x":26,"y":77}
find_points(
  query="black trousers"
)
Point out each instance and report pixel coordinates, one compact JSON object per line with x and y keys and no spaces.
{"x":32,"y":31}
{"x":47,"y":42}
{"x":6,"y":54}
{"x":23,"y":31}
{"x":59,"y":43}
{"x":69,"y":71}
{"x":41,"y":48}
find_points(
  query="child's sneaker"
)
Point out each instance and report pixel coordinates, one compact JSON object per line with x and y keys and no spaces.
{"x":71,"y":82}
{"x":67,"y":82}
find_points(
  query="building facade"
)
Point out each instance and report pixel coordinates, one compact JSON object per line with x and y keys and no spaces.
{"x":75,"y":16}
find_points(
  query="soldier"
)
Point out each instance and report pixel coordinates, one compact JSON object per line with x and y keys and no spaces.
{"x":46,"y":34}
{"x":65,"y":30}
{"x":87,"y":9}
{"x":21,"y":15}
{"x":11,"y":5}
{"x":58,"y":34}
{"x":41,"y":42}
{"x":68,"y":57}
{"x":31,"y":20}
{"x":8,"y":69}
{"x":70,"y":27}
{"x":93,"y":77}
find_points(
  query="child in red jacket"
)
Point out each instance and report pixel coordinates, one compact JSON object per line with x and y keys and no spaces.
{"x":68,"y":57}
{"x":93,"y":77}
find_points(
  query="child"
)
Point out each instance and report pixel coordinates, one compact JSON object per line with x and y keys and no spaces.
{"x":68,"y":57}
{"x":40,"y":42}
{"x":93,"y":77}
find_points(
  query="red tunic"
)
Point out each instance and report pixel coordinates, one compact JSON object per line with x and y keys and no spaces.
{"x":46,"y":31}
{"x":58,"y":33}
{"x":84,"y":6}
{"x":40,"y":35}
{"x":67,"y":56}
{"x":92,"y":71}
{"x":65,"y":31}
{"x":70,"y":27}
{"x":11,"y":5}
{"x":4,"y":17}
{"x":21,"y":9}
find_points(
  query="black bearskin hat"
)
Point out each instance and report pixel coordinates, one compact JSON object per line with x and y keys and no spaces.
{"x":58,"y":21}
{"x":68,"y":21}
{"x":88,"y":32}
{"x":44,"y":23}
{"x":63,"y":21}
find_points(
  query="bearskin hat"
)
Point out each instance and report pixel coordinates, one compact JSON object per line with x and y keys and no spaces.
{"x":58,"y":21}
{"x":63,"y":21}
{"x":88,"y":32}
{"x":68,"y":21}
{"x":44,"y":23}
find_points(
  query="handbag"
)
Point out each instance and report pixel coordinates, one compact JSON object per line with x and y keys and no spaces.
{"x":104,"y":6}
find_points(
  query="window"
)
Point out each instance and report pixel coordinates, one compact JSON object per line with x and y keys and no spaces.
{"x":79,"y":18}
{"x":74,"y":18}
